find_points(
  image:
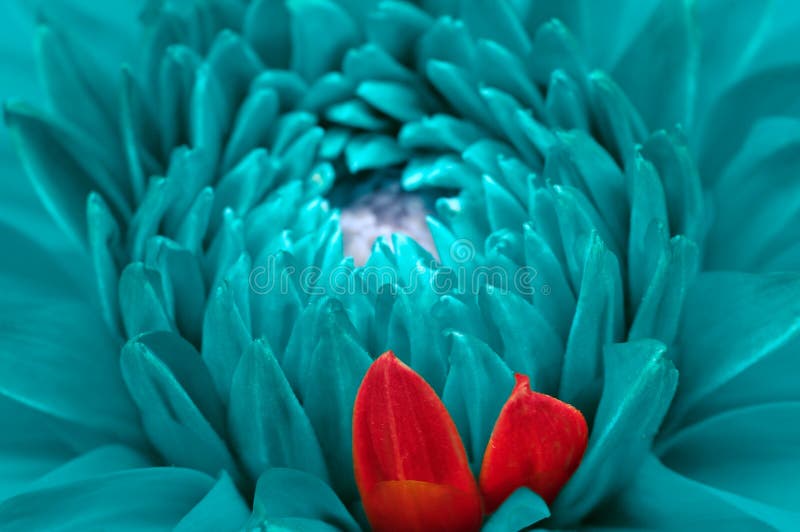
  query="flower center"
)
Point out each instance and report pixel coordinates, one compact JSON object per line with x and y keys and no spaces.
{"x":380,"y":207}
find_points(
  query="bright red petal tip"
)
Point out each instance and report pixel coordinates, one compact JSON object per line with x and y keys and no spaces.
{"x":537,"y":441}
{"x":410,"y":464}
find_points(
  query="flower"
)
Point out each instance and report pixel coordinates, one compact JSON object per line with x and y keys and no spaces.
{"x":614,"y":203}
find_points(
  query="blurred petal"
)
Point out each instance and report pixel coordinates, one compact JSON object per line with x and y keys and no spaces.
{"x":763,"y":311}
{"x":64,"y":370}
{"x":139,"y":499}
{"x":282,"y":494}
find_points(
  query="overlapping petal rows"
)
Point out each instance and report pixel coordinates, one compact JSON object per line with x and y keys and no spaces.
{"x":200,"y":177}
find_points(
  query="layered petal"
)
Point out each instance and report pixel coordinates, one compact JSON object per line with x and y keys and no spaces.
{"x":411,"y":468}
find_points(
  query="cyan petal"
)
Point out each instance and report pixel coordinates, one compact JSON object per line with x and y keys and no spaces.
{"x":519,"y":511}
{"x":173,"y":422}
{"x":138,"y":499}
{"x":393,"y":99}
{"x":366,"y":152}
{"x":99,"y":461}
{"x":326,"y":368}
{"x":746,"y":452}
{"x":266,"y":421}
{"x":221,"y":510}
{"x":639,"y":385}
{"x":762,"y":309}
{"x":286,"y":493}
{"x":266,"y":27}
{"x":312,"y":56}
{"x":225,"y":336}
{"x":49,"y":363}
{"x":666,"y":49}
{"x":477,"y":387}
{"x":188,"y":369}
{"x":253,"y":121}
{"x":658,"y":495}
{"x":62,"y":168}
{"x":496,"y":21}
{"x":597,"y":322}
{"x":70,"y":76}
{"x":534,"y":349}
{"x":765,"y":168}
{"x":144,"y":305}
{"x":396,"y":26}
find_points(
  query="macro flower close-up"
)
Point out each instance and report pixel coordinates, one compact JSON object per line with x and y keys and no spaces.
{"x":390,"y":265}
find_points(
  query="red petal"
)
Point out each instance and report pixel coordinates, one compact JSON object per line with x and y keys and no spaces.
{"x":537,"y":441}
{"x":410,"y":465}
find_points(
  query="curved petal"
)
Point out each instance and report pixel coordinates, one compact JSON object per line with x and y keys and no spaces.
{"x":731,"y":321}
{"x":138,"y":499}
{"x":745,"y":453}
{"x":286,"y":493}
{"x":59,"y":358}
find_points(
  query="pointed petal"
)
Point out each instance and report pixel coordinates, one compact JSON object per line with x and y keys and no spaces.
{"x":519,"y":511}
{"x":265,"y":419}
{"x":537,"y":442}
{"x":639,"y":385}
{"x":221,"y":510}
{"x":411,"y":468}
{"x":283,"y":495}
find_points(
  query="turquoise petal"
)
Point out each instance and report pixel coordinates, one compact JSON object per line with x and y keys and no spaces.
{"x":520,"y":510}
{"x":536,"y":349}
{"x":396,"y":26}
{"x":766,"y":168}
{"x":366,"y":152}
{"x":63,"y":168}
{"x":225,"y":337}
{"x":597,"y":322}
{"x":393,"y":99}
{"x":312,"y":55}
{"x":771,"y":379}
{"x":38,"y":269}
{"x":287,"y":493}
{"x":143,"y":303}
{"x":659,"y":313}
{"x":672,"y":158}
{"x":266,"y":27}
{"x":188,"y":369}
{"x":221,"y":510}
{"x":267,"y":423}
{"x":78,"y":91}
{"x":173,"y":422}
{"x":639,"y":385}
{"x":762,"y":309}
{"x":64,"y":370}
{"x":477,"y":386}
{"x":738,"y":109}
{"x":456,"y":86}
{"x":745,"y":452}
{"x":666,"y":49}
{"x":495,"y":20}
{"x":182,"y":274}
{"x":659,"y":495}
{"x":34,"y":443}
{"x":254,"y":119}
{"x":329,"y":374}
{"x":135,"y":500}
{"x":99,"y":461}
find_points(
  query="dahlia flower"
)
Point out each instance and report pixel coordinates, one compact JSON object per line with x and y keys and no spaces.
{"x":570,"y":226}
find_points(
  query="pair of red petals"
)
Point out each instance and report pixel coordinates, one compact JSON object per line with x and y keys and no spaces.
{"x":411,"y":467}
